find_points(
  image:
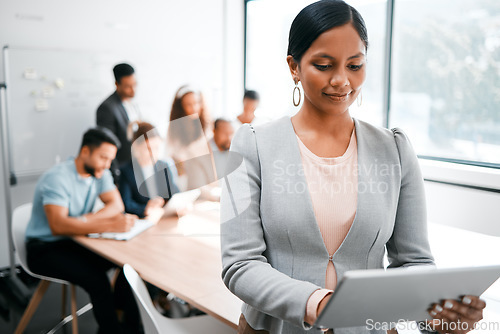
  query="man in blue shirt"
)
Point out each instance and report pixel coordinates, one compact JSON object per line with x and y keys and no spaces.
{"x":62,"y":206}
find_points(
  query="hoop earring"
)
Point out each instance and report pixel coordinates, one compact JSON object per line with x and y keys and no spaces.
{"x":296,"y":88}
{"x":359,"y":99}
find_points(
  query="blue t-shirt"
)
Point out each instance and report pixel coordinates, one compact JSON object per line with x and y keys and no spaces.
{"x":63,"y":186}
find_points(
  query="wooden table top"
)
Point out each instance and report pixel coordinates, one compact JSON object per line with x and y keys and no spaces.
{"x":181,"y":256}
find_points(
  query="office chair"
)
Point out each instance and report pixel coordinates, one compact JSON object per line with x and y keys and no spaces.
{"x":156,"y":323}
{"x":20,"y":219}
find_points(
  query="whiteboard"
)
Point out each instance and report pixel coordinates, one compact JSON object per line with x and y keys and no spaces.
{"x":52,"y":98}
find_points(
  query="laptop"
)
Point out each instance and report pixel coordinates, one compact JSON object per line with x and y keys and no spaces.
{"x":140,"y":226}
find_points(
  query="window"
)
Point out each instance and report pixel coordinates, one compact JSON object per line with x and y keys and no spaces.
{"x":445,"y":77}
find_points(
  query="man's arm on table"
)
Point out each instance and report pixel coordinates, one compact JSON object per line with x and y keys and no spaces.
{"x":108,"y":219}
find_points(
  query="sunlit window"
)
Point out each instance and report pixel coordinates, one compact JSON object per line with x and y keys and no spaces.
{"x":446,"y":77}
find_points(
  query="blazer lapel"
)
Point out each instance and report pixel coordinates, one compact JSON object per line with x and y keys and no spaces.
{"x":302,"y":199}
{"x":354,"y":251}
{"x":356,"y":237}
{"x":122,"y":116}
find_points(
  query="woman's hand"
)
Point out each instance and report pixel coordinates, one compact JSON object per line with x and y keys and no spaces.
{"x":456,"y":317}
{"x":155,"y":214}
{"x":153,"y":204}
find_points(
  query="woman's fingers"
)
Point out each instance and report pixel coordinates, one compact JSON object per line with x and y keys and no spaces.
{"x":447,"y":322}
{"x":463,"y":310}
{"x":474,"y":302}
{"x":457,"y":317}
{"x":446,"y":313}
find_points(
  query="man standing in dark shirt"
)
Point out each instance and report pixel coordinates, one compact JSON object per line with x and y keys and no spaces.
{"x":117,"y":112}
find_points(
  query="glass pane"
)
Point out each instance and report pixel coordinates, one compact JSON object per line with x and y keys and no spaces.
{"x":445,"y":84}
{"x":268,"y":24}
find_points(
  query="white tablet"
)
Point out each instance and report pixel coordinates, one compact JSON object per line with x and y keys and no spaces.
{"x":377,"y":296}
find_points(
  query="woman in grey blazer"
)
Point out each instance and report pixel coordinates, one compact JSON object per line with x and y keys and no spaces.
{"x":273,"y":254}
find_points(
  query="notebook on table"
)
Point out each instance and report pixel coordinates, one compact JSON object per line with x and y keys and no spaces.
{"x":140,"y":226}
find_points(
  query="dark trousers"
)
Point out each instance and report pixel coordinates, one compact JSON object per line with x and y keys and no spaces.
{"x":67,"y":260}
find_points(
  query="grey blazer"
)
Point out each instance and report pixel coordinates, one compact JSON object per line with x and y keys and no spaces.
{"x":273,"y":255}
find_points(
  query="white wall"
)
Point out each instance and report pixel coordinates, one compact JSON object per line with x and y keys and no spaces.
{"x":469,"y":209}
{"x":170,"y":43}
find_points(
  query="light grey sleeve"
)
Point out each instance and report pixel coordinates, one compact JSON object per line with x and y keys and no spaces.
{"x":409,"y":244}
{"x":246,"y":271}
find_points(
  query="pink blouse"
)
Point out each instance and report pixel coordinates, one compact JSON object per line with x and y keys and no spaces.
{"x":332,"y":184}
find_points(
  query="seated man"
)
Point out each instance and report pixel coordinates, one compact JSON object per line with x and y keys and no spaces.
{"x":62,"y":207}
{"x":146,"y":183}
{"x":220,"y":144}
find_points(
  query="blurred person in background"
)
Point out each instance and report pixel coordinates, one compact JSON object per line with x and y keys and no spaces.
{"x":188,"y":130}
{"x":146,"y":182}
{"x":220,"y":144}
{"x":117,"y":111}
{"x":62,"y":207}
{"x":251,"y":101}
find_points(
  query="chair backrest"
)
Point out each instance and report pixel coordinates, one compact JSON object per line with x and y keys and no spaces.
{"x":20,"y":219}
{"x":141,"y":294}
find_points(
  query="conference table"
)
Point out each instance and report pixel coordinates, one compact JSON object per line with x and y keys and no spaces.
{"x":181,"y":256}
